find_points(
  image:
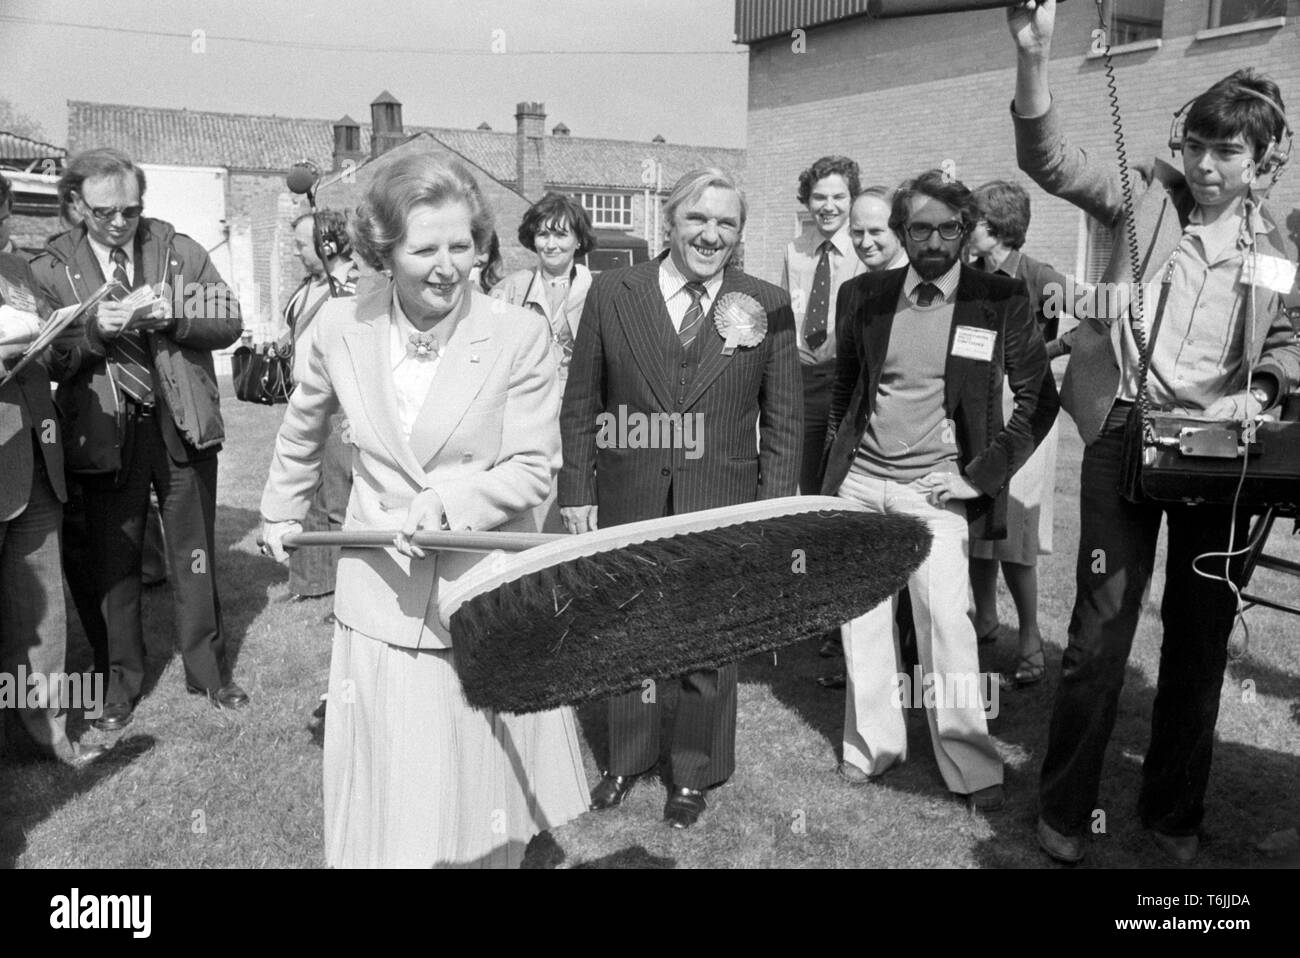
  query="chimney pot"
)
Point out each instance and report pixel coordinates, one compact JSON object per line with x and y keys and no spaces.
{"x":385,"y":123}
{"x":530,"y":149}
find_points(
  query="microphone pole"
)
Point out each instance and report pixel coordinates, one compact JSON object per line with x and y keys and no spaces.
{"x":303,"y":179}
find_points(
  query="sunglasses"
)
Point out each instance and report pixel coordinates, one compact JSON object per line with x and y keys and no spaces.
{"x":107,"y":213}
{"x":921,"y":232}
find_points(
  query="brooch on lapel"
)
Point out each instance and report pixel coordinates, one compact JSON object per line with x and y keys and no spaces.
{"x":423,"y":345}
{"x":741,"y":320}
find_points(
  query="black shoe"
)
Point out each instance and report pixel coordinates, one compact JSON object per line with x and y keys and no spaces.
{"x":115,"y":717}
{"x":610,"y":791}
{"x":229,"y":696}
{"x":684,"y":808}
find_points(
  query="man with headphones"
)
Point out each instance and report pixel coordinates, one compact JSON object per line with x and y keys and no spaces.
{"x":321,"y":242}
{"x":1224,"y":265}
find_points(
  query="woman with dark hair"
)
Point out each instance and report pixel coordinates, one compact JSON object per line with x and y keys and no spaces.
{"x":558,"y":230}
{"x":488,"y":266}
{"x":1002,"y":209}
{"x":453,"y":402}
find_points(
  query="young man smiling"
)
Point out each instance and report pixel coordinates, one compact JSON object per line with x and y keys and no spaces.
{"x":1196,"y":230}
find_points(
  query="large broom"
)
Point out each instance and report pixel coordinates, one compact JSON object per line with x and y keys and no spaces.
{"x":576,"y":618}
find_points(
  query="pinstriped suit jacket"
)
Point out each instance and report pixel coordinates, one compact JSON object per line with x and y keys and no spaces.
{"x":25,"y":403}
{"x":623,"y":365}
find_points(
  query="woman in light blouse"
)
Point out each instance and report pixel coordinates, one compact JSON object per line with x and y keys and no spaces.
{"x":453,"y":402}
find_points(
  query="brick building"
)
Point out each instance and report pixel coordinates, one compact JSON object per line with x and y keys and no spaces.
{"x":220,"y":177}
{"x":902,"y":95}
{"x":32,"y":168}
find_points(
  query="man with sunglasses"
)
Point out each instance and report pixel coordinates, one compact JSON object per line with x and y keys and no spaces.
{"x":139,"y":399}
{"x":917,"y":429}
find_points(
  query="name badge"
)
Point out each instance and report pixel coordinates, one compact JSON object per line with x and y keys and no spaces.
{"x":17,"y":296}
{"x":971,"y":342}
{"x":1271,"y":272}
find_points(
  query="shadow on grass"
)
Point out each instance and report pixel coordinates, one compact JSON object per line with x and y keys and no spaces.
{"x":33,"y":791}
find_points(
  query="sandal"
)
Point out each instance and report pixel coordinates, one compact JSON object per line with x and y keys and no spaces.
{"x":991,"y":636}
{"x":1030,"y":670}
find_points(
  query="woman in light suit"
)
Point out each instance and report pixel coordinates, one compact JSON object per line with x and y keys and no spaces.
{"x":453,"y":401}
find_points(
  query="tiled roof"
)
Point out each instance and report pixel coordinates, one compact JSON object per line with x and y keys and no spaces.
{"x":254,"y":142}
{"x":15,"y":147}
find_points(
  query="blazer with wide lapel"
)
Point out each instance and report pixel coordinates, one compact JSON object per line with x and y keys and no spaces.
{"x":990,"y":451}
{"x":625,"y":362}
{"x":485,"y":440}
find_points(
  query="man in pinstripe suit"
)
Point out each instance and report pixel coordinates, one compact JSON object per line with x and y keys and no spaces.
{"x":680,"y":336}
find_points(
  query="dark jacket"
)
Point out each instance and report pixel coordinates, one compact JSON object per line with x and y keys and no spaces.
{"x":990,"y":450}
{"x":627,"y":362}
{"x":25,"y":405}
{"x":207,"y":317}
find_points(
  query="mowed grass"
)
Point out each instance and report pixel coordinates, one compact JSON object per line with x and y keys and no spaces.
{"x":188,"y":786}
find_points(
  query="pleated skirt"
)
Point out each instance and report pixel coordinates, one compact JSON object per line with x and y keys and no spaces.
{"x":416,"y":778}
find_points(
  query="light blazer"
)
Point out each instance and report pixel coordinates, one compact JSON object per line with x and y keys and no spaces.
{"x":25,"y":404}
{"x":1162,"y":205}
{"x":990,"y":451}
{"x":750,"y":403}
{"x":486,"y":440}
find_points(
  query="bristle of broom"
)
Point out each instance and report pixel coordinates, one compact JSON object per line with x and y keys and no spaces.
{"x":603,"y":624}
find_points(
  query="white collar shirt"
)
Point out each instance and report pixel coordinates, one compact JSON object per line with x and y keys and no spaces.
{"x":672,"y":284}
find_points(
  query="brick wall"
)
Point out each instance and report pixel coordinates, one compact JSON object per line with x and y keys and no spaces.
{"x":900,"y":96}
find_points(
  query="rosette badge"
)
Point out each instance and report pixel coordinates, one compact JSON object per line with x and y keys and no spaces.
{"x":741,"y":321}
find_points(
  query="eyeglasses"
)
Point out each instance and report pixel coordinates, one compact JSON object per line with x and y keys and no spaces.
{"x":921,"y":232}
{"x":107,"y":213}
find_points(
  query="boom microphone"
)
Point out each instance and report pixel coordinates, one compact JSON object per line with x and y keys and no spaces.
{"x":889,"y":9}
{"x":302,"y":177}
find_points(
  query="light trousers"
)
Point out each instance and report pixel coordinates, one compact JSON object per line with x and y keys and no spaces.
{"x":875,"y":728}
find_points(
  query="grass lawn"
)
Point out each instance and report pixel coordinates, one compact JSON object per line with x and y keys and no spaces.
{"x":188,"y":786}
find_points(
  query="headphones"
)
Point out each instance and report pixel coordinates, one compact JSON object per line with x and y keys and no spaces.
{"x":1276,"y":155}
{"x":333,"y":231}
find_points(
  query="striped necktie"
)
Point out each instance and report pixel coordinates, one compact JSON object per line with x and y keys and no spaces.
{"x":694,"y":315}
{"x":130,"y":353}
{"x":819,"y":300}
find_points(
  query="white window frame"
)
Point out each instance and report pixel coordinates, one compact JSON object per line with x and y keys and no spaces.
{"x":607,"y":210}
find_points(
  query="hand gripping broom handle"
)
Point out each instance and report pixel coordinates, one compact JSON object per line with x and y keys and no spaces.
{"x":445,"y":541}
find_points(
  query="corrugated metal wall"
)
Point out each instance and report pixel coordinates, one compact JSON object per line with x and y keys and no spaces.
{"x":759,"y":19}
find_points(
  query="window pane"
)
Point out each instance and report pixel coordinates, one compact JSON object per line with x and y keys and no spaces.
{"x":1134,"y":20}
{"x":1243,"y":11}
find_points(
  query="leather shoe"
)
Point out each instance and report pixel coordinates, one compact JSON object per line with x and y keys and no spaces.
{"x":684,"y":808}
{"x":85,"y":755}
{"x":115,"y":717}
{"x":229,"y":696}
{"x":988,"y":799}
{"x":852,"y":774}
{"x":610,"y":791}
{"x":1183,"y":849}
{"x":1063,"y":848}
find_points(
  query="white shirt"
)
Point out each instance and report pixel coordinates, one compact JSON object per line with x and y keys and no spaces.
{"x":412,"y":375}
{"x":672,"y":284}
{"x":798,"y":273}
{"x":104,"y":257}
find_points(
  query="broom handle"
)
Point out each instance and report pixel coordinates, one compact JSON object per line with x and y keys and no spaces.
{"x":447,"y":541}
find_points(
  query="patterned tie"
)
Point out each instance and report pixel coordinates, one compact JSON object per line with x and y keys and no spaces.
{"x":819,"y":300}
{"x":694,"y":315}
{"x":927,"y":293}
{"x":130,"y":354}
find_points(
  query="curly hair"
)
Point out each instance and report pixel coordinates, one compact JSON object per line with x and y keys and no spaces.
{"x":380,"y":220}
{"x":829,"y":166}
{"x":556,"y":209}
{"x":333,"y":227}
{"x":937,"y":185}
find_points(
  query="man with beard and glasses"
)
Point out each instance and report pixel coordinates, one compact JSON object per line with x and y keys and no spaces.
{"x":917,"y":429}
